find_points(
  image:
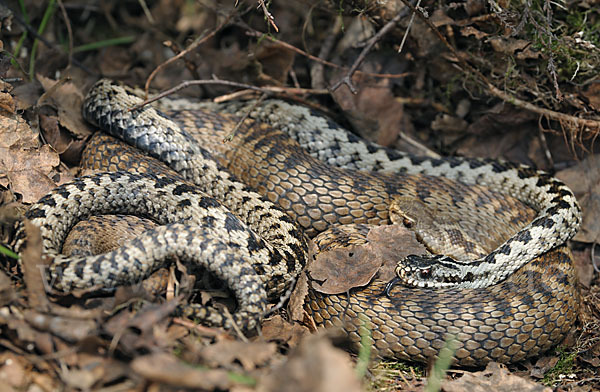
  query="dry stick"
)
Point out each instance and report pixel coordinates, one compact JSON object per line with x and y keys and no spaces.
{"x":265,"y":90}
{"x":268,"y":15}
{"x":544,"y":143}
{"x":69,"y":30}
{"x":197,"y":42}
{"x":410,"y":23}
{"x":254,"y":33}
{"x":593,"y":122}
{"x":317,"y":68}
{"x":237,"y":126}
{"x":347,"y":80}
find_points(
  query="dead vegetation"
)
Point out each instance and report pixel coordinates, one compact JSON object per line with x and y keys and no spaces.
{"x":498,"y":79}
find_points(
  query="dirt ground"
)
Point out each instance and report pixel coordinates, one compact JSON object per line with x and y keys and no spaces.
{"x":512,"y":80}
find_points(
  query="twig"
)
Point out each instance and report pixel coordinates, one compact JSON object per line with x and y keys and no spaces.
{"x":254,"y":33}
{"x":593,"y":123}
{"x":317,"y":68}
{"x":146,"y":11}
{"x":244,"y":117}
{"x":197,"y":42}
{"x":410,"y":23}
{"x":347,"y":80}
{"x":282,"y":299}
{"x":69,"y":30}
{"x":234,"y":325}
{"x":268,"y":15}
{"x":215,"y":80}
{"x":544,"y":143}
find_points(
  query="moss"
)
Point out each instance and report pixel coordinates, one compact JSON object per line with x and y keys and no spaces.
{"x":563,"y":367}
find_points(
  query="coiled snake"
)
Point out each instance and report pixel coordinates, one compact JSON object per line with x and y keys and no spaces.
{"x":511,"y":304}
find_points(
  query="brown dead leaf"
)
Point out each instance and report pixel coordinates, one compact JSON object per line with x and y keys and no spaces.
{"x":592,"y":94}
{"x":336,"y":271}
{"x":67,"y":99}
{"x":26,"y":95}
{"x":276,"y":62}
{"x":470,"y":30}
{"x":373,"y":108}
{"x":34,"y":268}
{"x":296,"y":303}
{"x":583,"y":265}
{"x":440,"y":18}
{"x":279,"y":330}
{"x":249,"y":354}
{"x":542,"y":365}
{"x":392,"y":243}
{"x":52,"y":134}
{"x":25,"y":166}
{"x":587,"y":190}
{"x":167,"y":369}
{"x":447,"y":123}
{"x":145,"y":329}
{"x":520,"y":48}
{"x":69,"y":329}
{"x":7,"y":291}
{"x":93,"y":371}
{"x":315,"y":366}
{"x":11,"y":213}
{"x":13,"y":372}
{"x":7,"y":103}
{"x":495,"y":378}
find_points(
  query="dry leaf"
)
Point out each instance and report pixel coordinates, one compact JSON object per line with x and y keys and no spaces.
{"x":280,"y":330}
{"x":25,"y":167}
{"x":69,"y":329}
{"x":34,"y":268}
{"x":249,"y":354}
{"x":315,"y":366}
{"x":7,"y":103}
{"x":167,"y":369}
{"x":13,"y":371}
{"x":587,"y":190}
{"x":7,"y":291}
{"x":495,"y":378}
{"x":542,"y":365}
{"x":296,"y":303}
{"x":336,"y":271}
{"x":67,"y":99}
{"x":592,"y":94}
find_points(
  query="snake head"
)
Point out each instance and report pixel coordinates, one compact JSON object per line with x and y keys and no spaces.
{"x":427,"y":272}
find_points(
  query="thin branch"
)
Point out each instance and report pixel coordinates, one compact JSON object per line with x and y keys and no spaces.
{"x":410,"y":23}
{"x":69,"y":30}
{"x":265,"y":90}
{"x":197,"y":42}
{"x":254,"y":33}
{"x":268,"y":15}
{"x":237,"y":126}
{"x":347,"y":80}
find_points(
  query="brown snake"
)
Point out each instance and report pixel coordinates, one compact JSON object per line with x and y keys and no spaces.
{"x":520,"y":317}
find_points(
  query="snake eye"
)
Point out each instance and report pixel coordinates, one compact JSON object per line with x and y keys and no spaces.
{"x":408,"y":223}
{"x":425,"y":273}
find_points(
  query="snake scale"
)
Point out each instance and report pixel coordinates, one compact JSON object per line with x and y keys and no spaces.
{"x":514,"y":303}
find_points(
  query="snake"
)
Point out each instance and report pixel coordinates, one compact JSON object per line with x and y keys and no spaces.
{"x":249,"y":206}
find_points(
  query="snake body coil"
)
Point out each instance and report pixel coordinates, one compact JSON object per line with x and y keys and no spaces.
{"x":509,"y":321}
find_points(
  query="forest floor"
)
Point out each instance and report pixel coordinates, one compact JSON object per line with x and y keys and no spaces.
{"x":482,"y":79}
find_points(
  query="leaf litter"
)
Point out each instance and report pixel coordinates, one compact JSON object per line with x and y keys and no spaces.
{"x":122,"y":340}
